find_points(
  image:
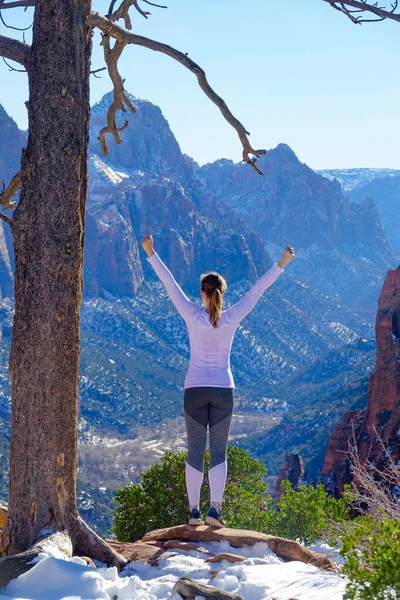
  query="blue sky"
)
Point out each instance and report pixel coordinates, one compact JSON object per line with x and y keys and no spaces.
{"x":293,"y":71}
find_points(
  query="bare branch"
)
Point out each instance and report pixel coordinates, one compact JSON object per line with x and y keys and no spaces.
{"x":12,"y":26}
{"x":14,"y":50}
{"x":16,"y":4}
{"x":126,"y":37}
{"x":110,"y":10}
{"x":98,"y":71}
{"x":5,"y":218}
{"x":372,"y":483}
{"x":111,"y":56}
{"x":11,"y":68}
{"x":123,"y":12}
{"x":7,"y":194}
{"x":153,"y":4}
{"x":362,"y":6}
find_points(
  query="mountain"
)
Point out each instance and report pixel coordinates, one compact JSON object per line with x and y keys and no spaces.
{"x":374,"y":431}
{"x":385,"y":192}
{"x":317,"y":397}
{"x":349,"y":179}
{"x":341,"y":246}
{"x":146,"y":184}
{"x":12,"y":140}
{"x":135,"y":347}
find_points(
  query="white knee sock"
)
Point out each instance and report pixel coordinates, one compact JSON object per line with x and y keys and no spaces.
{"x":217,"y":480}
{"x":194,"y":479}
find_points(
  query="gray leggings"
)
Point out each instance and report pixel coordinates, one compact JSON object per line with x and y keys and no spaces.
{"x":210,"y":406}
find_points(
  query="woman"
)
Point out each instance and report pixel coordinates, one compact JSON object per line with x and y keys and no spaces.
{"x":208,"y":399}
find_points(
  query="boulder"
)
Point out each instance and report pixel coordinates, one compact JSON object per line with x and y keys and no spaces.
{"x":232,"y":558}
{"x":140,"y":551}
{"x":186,"y":546}
{"x":189,"y":589}
{"x":237,"y":538}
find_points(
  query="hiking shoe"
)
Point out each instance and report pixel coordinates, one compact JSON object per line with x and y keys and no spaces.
{"x":195,"y":517}
{"x":214,"y":518}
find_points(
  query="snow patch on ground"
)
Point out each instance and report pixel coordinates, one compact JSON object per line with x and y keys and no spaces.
{"x":261,"y":576}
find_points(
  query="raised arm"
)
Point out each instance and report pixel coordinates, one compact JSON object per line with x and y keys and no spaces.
{"x":186,"y":308}
{"x":238,"y":311}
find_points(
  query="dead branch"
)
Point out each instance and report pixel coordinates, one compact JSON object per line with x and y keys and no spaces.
{"x":11,"y":68}
{"x":110,"y":10}
{"x":153,"y":4}
{"x":126,"y":37}
{"x":122,"y":12}
{"x":371,"y":493}
{"x":5,"y":218}
{"x":98,"y":71}
{"x":9,"y":192}
{"x":16,"y":4}
{"x":12,"y":26}
{"x":111,"y":56}
{"x":14,"y":50}
{"x":362,"y":6}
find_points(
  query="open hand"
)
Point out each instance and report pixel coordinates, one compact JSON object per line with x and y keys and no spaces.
{"x":147,"y":244}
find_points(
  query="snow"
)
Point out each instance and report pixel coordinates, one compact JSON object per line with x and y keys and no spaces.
{"x":261,"y":576}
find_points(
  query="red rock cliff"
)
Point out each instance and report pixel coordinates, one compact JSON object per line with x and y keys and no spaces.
{"x":381,"y":419}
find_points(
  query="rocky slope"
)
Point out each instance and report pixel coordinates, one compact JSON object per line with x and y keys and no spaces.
{"x":341,"y":246}
{"x":146,"y":184}
{"x":317,"y":396}
{"x":385,"y":192}
{"x":378,"y":426}
{"x":135,"y":347}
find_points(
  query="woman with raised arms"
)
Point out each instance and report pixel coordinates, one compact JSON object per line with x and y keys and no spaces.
{"x":209,"y":385}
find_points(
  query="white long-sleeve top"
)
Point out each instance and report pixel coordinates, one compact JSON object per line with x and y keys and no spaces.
{"x":210,"y":347}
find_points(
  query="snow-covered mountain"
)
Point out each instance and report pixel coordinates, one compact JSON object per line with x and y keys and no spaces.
{"x":382,"y":186}
{"x":341,"y":247}
{"x":385,"y":192}
{"x":349,"y":179}
{"x":135,"y":347}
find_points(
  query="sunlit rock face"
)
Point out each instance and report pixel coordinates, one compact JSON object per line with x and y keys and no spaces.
{"x":341,"y":246}
{"x":374,"y":431}
{"x":146,"y":185}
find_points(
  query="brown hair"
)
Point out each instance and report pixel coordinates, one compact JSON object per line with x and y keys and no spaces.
{"x":213,"y":285}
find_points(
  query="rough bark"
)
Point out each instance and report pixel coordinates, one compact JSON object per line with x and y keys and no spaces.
{"x":14,"y":50}
{"x":48,"y":231}
{"x":48,"y":228}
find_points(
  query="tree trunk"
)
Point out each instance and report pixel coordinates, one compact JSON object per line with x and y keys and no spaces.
{"x":48,"y":231}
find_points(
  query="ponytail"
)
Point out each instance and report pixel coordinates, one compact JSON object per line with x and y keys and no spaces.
{"x":213,"y":285}
{"x":215,"y":306}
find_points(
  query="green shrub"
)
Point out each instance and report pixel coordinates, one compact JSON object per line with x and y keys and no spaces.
{"x":160,"y":499}
{"x":304,"y":513}
{"x":372,"y":550}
